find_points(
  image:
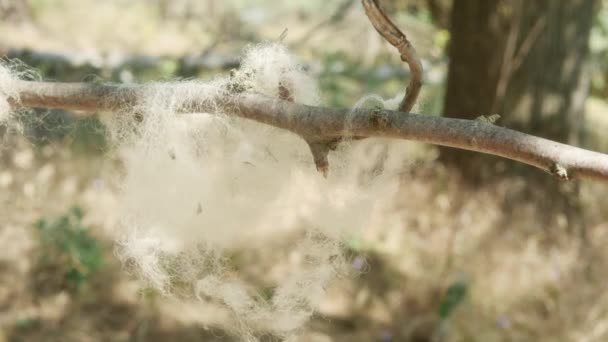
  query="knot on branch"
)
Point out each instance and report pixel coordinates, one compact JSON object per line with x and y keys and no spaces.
{"x":285,"y":92}
{"x":379,"y":118}
{"x":402,"y":46}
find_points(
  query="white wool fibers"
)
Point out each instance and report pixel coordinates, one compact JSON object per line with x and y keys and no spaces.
{"x":199,"y":189}
{"x":6,"y":91}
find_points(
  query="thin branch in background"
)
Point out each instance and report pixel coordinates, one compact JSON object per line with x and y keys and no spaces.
{"x":514,"y":57}
{"x":440,"y":12}
{"x":283,"y":35}
{"x":335,"y":18}
{"x":527,"y":44}
{"x":506,"y":68}
{"x":395,"y":37}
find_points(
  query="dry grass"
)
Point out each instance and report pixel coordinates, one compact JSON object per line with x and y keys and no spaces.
{"x":530,"y":275}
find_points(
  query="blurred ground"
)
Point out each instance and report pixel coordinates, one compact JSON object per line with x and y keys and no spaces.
{"x":504,"y":261}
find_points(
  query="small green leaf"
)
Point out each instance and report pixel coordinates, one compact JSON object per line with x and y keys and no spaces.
{"x":453,"y":297}
{"x":489,"y":119}
{"x":68,"y":240}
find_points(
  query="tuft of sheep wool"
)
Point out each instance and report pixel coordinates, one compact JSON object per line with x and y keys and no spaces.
{"x":197,"y":192}
{"x":198,"y":187}
{"x":270,"y":65}
{"x":6,"y":80}
{"x":10,"y":71}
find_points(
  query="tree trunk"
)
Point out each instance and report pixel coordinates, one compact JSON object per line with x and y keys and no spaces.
{"x":547,"y":93}
{"x":522,"y":59}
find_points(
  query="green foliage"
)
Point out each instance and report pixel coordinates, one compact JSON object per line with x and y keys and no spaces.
{"x":344,"y":79}
{"x":38,"y":7}
{"x":27,"y":323}
{"x":441,"y":39}
{"x":453,"y":297}
{"x":88,"y":135}
{"x":84,"y":135}
{"x":67,"y":240}
{"x":141,"y":69}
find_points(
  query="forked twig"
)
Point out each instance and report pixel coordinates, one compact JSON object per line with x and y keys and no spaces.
{"x":320,"y":148}
{"x":395,"y":37}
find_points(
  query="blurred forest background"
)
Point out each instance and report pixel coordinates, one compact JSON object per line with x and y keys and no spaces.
{"x":490,"y":250}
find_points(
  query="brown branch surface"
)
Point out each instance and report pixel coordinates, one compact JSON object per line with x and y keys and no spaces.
{"x":319,"y":124}
{"x":383,"y":24}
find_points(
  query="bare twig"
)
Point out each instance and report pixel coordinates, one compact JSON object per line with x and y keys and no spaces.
{"x":504,"y":76}
{"x":527,"y":44}
{"x":335,"y":18}
{"x":393,"y":35}
{"x":319,"y":124}
{"x":319,"y":149}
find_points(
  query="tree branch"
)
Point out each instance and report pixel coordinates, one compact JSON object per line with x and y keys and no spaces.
{"x":396,"y":38}
{"x":319,"y":124}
